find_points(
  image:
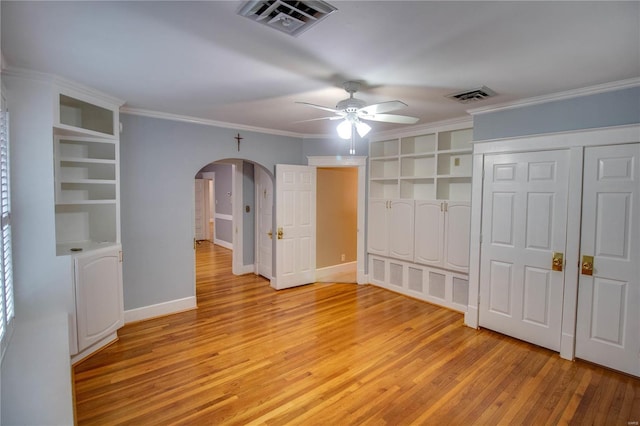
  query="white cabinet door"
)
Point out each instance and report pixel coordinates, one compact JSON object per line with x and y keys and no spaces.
{"x":378,"y":235}
{"x":429,"y":235}
{"x":608,"y":322}
{"x":524,"y":215}
{"x":99,"y":302}
{"x":391,"y":228}
{"x":456,"y":236}
{"x":296,"y":221}
{"x":401,"y":230}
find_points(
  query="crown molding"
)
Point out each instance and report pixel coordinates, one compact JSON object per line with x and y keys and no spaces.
{"x":61,"y":82}
{"x":206,"y":122}
{"x":576,"y":93}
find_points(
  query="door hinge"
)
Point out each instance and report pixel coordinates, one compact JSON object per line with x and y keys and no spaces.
{"x":120,"y":256}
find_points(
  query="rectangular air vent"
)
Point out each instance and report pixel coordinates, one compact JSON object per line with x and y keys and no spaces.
{"x":472,"y":95}
{"x":290,"y":17}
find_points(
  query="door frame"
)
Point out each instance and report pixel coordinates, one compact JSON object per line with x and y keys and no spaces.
{"x":575,"y":142}
{"x":267,"y":179}
{"x":210,"y":177}
{"x":361,"y":163}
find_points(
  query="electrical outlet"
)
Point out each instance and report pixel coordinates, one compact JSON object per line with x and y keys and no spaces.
{"x":342,"y":257}
{"x":456,"y":161}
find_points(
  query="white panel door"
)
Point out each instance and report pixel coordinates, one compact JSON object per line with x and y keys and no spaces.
{"x":401,"y":230}
{"x":608,"y":325}
{"x":524,"y":218}
{"x":99,"y":299}
{"x":264,"y":202}
{"x":296,"y":222}
{"x":201,"y":219}
{"x":457,"y":224}
{"x":378,"y":235}
{"x":429,"y":235}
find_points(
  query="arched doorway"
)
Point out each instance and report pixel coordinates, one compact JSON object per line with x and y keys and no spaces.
{"x":236,"y":198}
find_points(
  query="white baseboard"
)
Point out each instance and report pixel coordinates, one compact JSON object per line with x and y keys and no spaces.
{"x":329,"y":273}
{"x":222,"y":243}
{"x":247,"y":269}
{"x":160,"y":309}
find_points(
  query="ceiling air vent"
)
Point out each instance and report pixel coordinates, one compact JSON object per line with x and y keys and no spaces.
{"x":472,"y":95}
{"x":290,"y":17}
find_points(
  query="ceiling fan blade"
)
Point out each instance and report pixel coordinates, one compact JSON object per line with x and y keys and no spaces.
{"x":390,"y":118}
{"x":335,"y":117}
{"x":319,"y":107}
{"x":382,"y":107}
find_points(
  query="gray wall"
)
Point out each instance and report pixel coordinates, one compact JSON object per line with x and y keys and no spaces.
{"x":614,"y":108}
{"x":159,"y":159}
{"x":248,"y":219}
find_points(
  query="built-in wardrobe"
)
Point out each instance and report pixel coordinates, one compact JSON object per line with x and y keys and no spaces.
{"x":555,"y":243}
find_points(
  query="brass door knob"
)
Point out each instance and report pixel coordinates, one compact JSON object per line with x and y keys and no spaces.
{"x":587,"y":265}
{"x":557,"y":261}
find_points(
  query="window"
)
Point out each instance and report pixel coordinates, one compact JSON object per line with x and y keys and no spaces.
{"x":6,"y":271}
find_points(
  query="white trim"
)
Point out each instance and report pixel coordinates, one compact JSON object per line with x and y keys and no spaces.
{"x":99,"y":345}
{"x":327,"y":274}
{"x":223,"y":243}
{"x":62,"y":82}
{"x":576,"y":93}
{"x":237,"y":206}
{"x":247,"y":269}
{"x":223,"y":216}
{"x":464,"y":121}
{"x":160,"y":309}
{"x":561,"y":140}
{"x":207,"y":122}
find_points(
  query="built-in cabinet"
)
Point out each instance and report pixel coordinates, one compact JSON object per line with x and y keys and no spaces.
{"x":391,"y":228}
{"x":419,"y":213}
{"x":87,"y":212}
{"x":442,"y":237}
{"x":98,"y":293}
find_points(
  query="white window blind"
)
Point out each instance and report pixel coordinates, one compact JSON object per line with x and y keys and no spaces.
{"x":6,"y":271}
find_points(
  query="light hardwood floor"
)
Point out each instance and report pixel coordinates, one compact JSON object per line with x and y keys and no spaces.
{"x":333,"y":354}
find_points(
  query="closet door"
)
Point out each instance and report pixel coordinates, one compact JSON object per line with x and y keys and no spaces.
{"x":608,"y":326}
{"x":524,"y":218}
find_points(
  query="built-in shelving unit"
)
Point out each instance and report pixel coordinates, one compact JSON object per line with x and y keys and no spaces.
{"x":419,"y":206}
{"x":86,"y":167}
{"x":86,"y":159}
{"x":424,"y":167}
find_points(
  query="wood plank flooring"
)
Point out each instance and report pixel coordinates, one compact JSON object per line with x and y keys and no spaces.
{"x":333,"y":354}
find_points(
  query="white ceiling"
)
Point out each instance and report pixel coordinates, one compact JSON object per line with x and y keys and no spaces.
{"x":201,"y":59}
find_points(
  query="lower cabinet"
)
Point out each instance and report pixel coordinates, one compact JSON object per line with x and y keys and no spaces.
{"x":99,"y":309}
{"x":442,"y":234}
{"x":441,"y":287}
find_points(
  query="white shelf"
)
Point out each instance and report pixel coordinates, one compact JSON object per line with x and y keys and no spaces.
{"x":80,"y":116}
{"x":432,"y":166}
{"x":86,"y":167}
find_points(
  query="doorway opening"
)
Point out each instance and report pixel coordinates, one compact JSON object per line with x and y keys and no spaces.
{"x":336,"y":224}
{"x":232,"y":211}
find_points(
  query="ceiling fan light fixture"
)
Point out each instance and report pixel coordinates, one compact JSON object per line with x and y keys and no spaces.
{"x":344,"y":129}
{"x":362,"y":128}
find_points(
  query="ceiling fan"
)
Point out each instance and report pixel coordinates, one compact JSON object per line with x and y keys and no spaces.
{"x":352,"y":111}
